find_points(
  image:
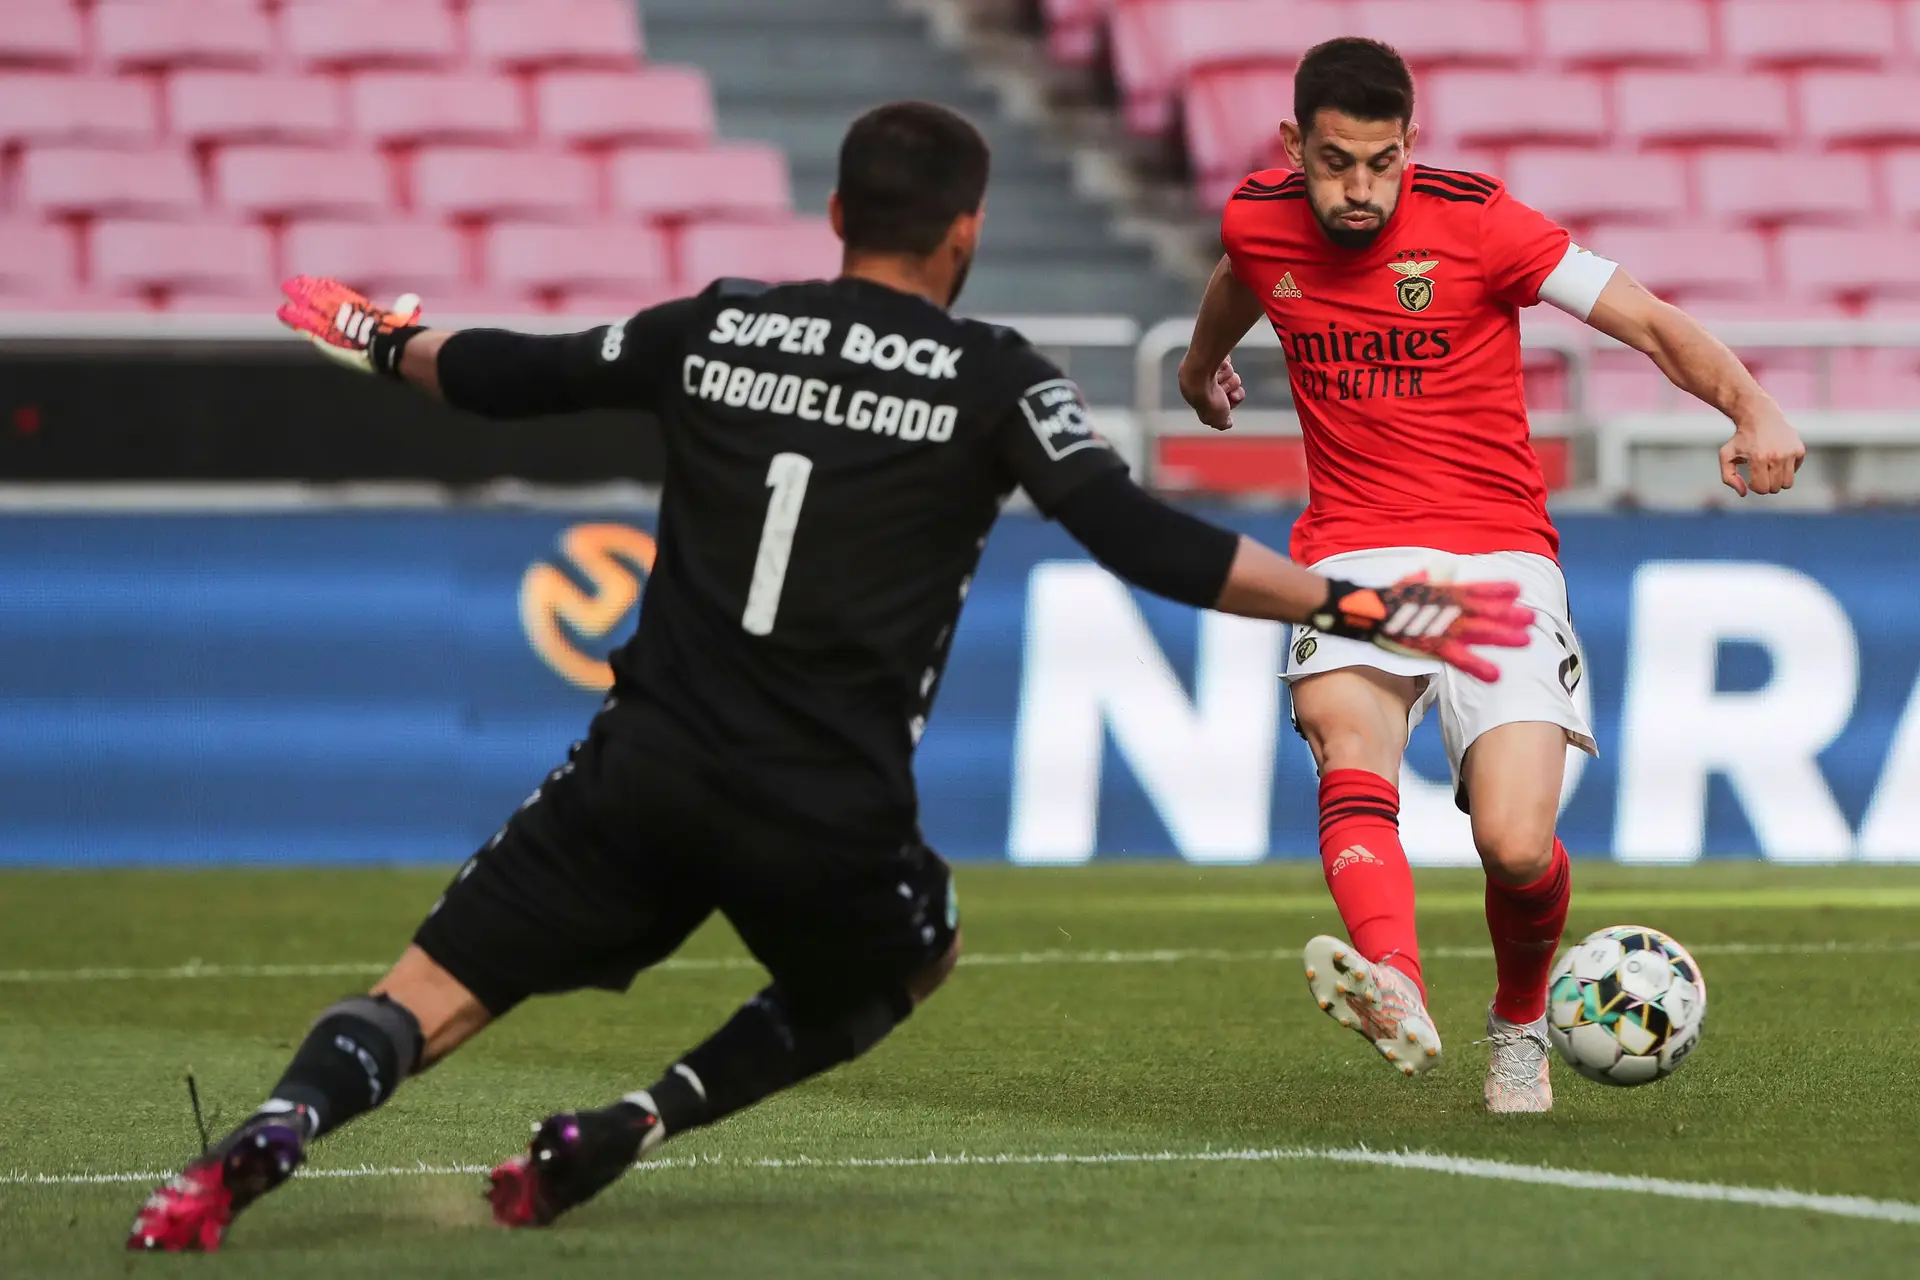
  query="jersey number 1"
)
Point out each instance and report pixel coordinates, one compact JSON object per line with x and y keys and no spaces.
{"x":787,"y":477}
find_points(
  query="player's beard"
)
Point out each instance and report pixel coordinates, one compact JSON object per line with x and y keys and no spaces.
{"x":1349,"y":237}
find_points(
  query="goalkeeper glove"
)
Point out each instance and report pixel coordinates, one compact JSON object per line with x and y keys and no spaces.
{"x":1426,"y":619}
{"x":346,"y":327}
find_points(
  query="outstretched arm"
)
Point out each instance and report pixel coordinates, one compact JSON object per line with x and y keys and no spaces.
{"x":1700,"y":365}
{"x":1207,"y":379}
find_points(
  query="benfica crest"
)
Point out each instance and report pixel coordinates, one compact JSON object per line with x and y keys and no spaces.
{"x":1414,"y":290}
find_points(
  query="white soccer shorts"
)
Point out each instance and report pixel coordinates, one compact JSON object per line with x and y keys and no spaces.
{"x":1536,"y":683}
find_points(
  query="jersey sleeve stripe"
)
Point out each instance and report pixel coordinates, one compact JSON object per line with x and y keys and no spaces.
{"x":1252,"y":184}
{"x":1448,"y":193}
{"x":1270,"y":195}
{"x":1453,"y":178}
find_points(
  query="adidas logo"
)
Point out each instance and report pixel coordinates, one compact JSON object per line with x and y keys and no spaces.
{"x":1287,"y":288}
{"x":1350,"y":856}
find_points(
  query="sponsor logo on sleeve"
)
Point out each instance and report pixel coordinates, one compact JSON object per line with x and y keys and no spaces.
{"x":1060,"y":418}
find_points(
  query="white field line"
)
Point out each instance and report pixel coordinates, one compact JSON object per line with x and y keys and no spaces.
{"x":1001,"y":959}
{"x":1422,"y":1161}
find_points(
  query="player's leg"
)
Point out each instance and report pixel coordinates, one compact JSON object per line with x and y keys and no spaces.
{"x":1355,"y":720}
{"x":1512,"y":775}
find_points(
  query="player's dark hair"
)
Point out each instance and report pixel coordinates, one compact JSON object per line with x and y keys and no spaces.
{"x":1361,"y":78}
{"x":907,"y":170}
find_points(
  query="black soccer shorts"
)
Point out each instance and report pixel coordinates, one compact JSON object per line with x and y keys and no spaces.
{"x":623,"y":852}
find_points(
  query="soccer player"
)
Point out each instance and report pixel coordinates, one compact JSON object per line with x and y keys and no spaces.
{"x":836,"y":454}
{"x":1395,"y":289}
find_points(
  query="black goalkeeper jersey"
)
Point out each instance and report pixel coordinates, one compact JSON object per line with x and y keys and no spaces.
{"x":836,"y":453}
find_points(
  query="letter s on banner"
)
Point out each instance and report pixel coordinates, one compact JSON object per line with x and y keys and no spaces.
{"x":551,"y":602}
{"x":1676,"y":730}
{"x":1091,"y":665}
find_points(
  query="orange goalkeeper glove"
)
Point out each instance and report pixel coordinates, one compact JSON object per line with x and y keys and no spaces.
{"x":1430,"y":619}
{"x":346,"y":327}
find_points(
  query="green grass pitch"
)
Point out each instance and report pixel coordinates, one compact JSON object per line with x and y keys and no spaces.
{"x":1194,"y":1036}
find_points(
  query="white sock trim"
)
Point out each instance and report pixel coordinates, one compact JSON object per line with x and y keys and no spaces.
{"x":685,"y":1072}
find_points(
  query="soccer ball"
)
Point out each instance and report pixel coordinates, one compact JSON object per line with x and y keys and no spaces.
{"x":1625,"y":1006}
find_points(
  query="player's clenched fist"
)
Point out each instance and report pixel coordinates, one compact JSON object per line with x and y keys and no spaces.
{"x":1430,"y":619}
{"x":346,"y":327}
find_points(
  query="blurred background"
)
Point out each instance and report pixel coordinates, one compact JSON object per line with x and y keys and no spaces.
{"x":256,"y":610}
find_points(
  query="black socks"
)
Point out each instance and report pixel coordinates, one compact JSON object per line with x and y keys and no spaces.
{"x":352,"y":1060}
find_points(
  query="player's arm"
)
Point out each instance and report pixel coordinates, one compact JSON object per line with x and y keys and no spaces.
{"x":1701,"y":365}
{"x":492,"y":372}
{"x":1207,"y":380}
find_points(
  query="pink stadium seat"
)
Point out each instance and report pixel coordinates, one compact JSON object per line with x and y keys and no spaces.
{"x":45,"y":33}
{"x":1158,"y":45}
{"x":201,"y":257}
{"x":578,"y":33}
{"x":1667,"y":107}
{"x":1073,"y":30}
{"x":1794,"y":32}
{"x":485,"y":182}
{"x":411,"y":106}
{"x":1437,"y":32}
{"x":1847,"y":107}
{"x":654,"y":104}
{"x":1620,"y":32}
{"x":370,"y":33}
{"x":736,"y":178}
{"x":1491,"y":108}
{"x":381,"y":258}
{"x":1580,"y":186}
{"x":1767,"y":186}
{"x":601,"y":303}
{"x":99,"y":180}
{"x":1821,"y":261}
{"x":1688,"y":262}
{"x":280,"y":182}
{"x":584,"y":258}
{"x":1903,"y":185}
{"x":37,"y":259}
{"x":181,"y":33}
{"x":803,"y":249}
{"x":246,"y":106}
{"x":1233,"y":120}
{"x":1912,"y":25}
{"x":52,"y":107}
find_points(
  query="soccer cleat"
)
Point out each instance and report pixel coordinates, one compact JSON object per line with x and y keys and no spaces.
{"x":572,"y":1157}
{"x":1517,"y":1078}
{"x":1376,"y":1000}
{"x":193,"y":1209}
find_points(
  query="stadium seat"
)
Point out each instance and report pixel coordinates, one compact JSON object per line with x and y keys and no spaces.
{"x":41,"y":33}
{"x":577,"y":33}
{"x":107,"y":181}
{"x":1448,"y":32}
{"x":1824,"y":262}
{"x":382,"y":259}
{"x":199,"y":257}
{"x":1157,"y":45}
{"x":245,"y":106}
{"x":486,"y":182}
{"x":1796,"y":33}
{"x":737,"y":178}
{"x":413,"y":106}
{"x":654,"y":104}
{"x":1583,"y":186}
{"x":1847,"y":107}
{"x":802,"y":249}
{"x":1688,"y":262}
{"x":52,"y":107}
{"x":1494,"y":109}
{"x":1667,"y":107}
{"x":181,"y":33}
{"x":370,"y":33}
{"x":37,"y":259}
{"x":600,"y":303}
{"x":282,"y":182}
{"x":1233,"y":120}
{"x":1073,"y":30}
{"x":1623,"y":32}
{"x":1903,"y":185}
{"x":583,"y":258}
{"x":1765,"y":186}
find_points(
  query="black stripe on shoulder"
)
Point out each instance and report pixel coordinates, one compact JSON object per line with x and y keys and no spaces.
{"x":1448,"y":193}
{"x":740,"y":287}
{"x":1270,"y":195}
{"x":1286,"y":184}
{"x":1454,"y":178}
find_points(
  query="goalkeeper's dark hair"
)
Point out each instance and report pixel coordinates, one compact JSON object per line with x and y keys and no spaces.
{"x":1361,"y":78}
{"x":907,"y":170}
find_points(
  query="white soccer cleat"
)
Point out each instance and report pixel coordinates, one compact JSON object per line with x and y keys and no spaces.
{"x":1517,"y":1075}
{"x":1376,"y":1000}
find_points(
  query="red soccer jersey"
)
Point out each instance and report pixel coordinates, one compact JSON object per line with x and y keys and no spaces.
{"x":1405,"y":361}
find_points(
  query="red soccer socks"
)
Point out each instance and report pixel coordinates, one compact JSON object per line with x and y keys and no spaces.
{"x":1367,"y":871}
{"x":1525,"y":923}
